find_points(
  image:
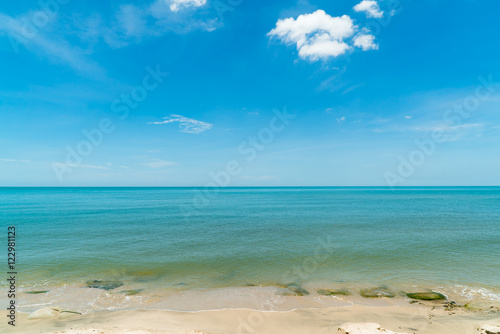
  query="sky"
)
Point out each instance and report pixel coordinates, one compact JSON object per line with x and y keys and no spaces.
{"x":249,"y":93}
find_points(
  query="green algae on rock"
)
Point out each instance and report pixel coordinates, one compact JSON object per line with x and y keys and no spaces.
{"x":333,"y":292}
{"x":36,"y":292}
{"x":427,"y":296}
{"x":73,"y":312}
{"x":131,"y":292}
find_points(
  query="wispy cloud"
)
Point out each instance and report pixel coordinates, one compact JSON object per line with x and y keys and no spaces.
{"x":134,"y":23}
{"x":447,"y":131}
{"x":350,"y":89}
{"x":45,"y":44}
{"x":158,"y":163}
{"x":445,"y":127}
{"x":88,"y":166}
{"x":14,"y":160}
{"x":452,"y":132}
{"x":187,"y":125}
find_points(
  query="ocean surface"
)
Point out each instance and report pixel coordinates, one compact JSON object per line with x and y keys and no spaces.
{"x":188,"y":239}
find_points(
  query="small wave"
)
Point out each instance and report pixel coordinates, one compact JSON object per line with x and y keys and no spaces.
{"x":475,"y":293}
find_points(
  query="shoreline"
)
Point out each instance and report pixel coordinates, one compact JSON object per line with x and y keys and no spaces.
{"x":82,"y":298}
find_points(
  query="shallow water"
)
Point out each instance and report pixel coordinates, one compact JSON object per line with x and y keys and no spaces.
{"x":180,"y":239}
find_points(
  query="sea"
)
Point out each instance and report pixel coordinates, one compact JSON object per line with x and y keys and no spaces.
{"x":166,"y":246}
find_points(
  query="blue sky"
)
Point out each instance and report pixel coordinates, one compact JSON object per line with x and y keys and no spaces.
{"x":381,"y":92}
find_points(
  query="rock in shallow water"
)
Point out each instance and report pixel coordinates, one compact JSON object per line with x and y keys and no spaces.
{"x":292,"y":290}
{"x":50,"y":313}
{"x":44,"y":313}
{"x":333,"y":292}
{"x":105,"y":285}
{"x":379,"y":292}
{"x":364,"y":328}
{"x":426,"y":296}
{"x":300,"y":291}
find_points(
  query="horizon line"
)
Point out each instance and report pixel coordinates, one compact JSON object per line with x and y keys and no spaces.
{"x":260,"y":186}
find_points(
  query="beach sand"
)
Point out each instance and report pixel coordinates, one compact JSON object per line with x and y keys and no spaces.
{"x":413,"y":318}
{"x":242,"y":310}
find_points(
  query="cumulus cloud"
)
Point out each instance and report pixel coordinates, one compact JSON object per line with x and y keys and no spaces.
{"x":316,"y":35}
{"x":365,"y":42}
{"x":370,"y":7}
{"x":320,"y":36}
{"x":179,"y":4}
{"x":187,"y":125}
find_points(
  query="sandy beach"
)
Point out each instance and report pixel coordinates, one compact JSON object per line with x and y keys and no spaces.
{"x":248,"y":310}
{"x":397,"y":319}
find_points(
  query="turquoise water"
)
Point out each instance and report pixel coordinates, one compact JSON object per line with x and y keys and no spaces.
{"x":429,"y":237}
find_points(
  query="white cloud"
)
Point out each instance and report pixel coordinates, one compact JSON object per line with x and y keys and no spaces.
{"x":320,"y":36}
{"x":317,"y":35}
{"x":370,"y":7}
{"x":365,"y":42}
{"x":341,"y":119}
{"x":158,"y":163}
{"x":179,"y":4}
{"x":186,"y":124}
{"x":408,"y":117}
